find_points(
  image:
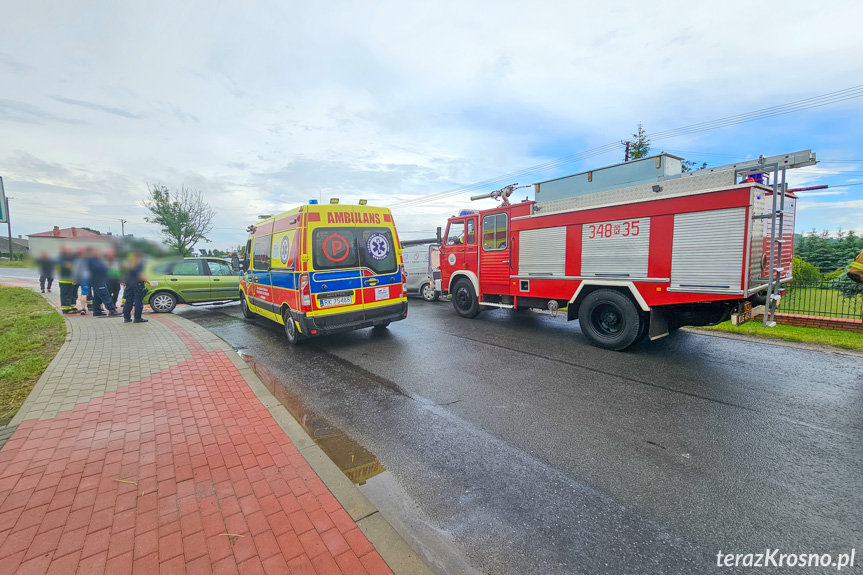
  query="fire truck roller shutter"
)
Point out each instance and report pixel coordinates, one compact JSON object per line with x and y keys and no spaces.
{"x":707,"y":250}
{"x":542,"y":252}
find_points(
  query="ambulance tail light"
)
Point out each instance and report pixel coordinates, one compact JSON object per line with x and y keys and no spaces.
{"x":305,"y":294}
{"x":404,"y":282}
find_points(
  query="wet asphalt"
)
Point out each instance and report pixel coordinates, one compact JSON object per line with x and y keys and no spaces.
{"x":512,"y":446}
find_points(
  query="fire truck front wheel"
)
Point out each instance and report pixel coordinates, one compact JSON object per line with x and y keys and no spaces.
{"x":464,"y":299}
{"x":609,"y":319}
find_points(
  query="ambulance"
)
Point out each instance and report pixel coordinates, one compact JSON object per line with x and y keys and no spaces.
{"x":323,"y":269}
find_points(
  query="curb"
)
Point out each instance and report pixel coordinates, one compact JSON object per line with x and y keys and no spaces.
{"x":389,"y":544}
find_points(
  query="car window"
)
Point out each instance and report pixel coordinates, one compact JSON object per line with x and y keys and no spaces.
{"x":494,"y":232}
{"x":188,"y":268}
{"x":471,"y":232}
{"x":262,"y":253}
{"x":455,"y":234}
{"x":219,"y":268}
{"x":377,"y":250}
{"x":334,"y":248}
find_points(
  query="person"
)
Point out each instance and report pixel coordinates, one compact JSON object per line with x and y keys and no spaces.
{"x":133,"y":292}
{"x":99,"y":285}
{"x":82,"y":280}
{"x":68,"y":289}
{"x":114,"y":275}
{"x":46,"y":271}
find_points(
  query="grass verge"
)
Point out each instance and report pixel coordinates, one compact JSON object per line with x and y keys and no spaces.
{"x":31,"y":333}
{"x":831,"y":337}
{"x":12,"y":264}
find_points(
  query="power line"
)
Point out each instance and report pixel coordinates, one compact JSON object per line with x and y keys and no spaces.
{"x":788,"y":108}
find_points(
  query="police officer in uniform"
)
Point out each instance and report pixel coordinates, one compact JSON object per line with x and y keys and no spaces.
{"x":68,"y":289}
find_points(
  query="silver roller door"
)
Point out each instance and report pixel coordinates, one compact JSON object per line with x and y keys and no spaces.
{"x":707,"y":251}
{"x":615,"y":248}
{"x":542,"y":252}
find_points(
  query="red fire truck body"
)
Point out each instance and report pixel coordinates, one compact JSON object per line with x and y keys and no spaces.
{"x":629,"y":262}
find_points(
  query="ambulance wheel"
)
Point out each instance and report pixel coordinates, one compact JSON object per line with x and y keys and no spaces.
{"x":610,"y":320}
{"x":464,"y":299}
{"x":428,"y":292}
{"x":163,"y":302}
{"x":381,"y":326}
{"x":291,"y":328}
{"x":247,"y":313}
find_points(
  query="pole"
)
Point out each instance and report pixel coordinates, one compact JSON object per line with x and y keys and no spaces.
{"x":123,"y":228}
{"x":9,"y":224}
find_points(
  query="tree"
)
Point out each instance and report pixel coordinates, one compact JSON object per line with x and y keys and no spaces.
{"x":92,"y":230}
{"x":184,"y":218}
{"x":689,"y":166}
{"x":639,"y":146}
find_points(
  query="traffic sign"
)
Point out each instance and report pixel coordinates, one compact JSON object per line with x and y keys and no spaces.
{"x":4,"y":217}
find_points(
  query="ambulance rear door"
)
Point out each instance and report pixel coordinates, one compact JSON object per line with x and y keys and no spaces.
{"x":335,"y":282}
{"x":378,"y":247}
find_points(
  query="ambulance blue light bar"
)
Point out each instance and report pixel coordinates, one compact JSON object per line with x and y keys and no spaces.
{"x":313,"y":202}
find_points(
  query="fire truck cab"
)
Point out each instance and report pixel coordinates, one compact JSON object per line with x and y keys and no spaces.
{"x":632,"y":262}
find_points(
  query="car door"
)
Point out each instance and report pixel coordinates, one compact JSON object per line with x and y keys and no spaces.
{"x":224,"y":282}
{"x":190,"y":280}
{"x":262,"y":289}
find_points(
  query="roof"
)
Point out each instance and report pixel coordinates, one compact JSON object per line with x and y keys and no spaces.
{"x":65,"y":233}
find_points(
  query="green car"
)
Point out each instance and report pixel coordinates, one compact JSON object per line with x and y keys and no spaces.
{"x":190,"y":280}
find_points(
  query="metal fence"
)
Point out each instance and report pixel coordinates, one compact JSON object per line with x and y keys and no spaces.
{"x":835,"y":298}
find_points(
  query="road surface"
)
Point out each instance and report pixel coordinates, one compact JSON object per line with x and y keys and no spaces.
{"x":512,"y":446}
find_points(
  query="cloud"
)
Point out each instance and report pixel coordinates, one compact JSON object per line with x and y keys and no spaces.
{"x":27,"y":113}
{"x":98,"y":107}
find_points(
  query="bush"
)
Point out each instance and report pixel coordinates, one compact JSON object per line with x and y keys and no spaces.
{"x":804,"y":271}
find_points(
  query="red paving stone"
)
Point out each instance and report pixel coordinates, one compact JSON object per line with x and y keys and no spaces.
{"x":184,"y":471}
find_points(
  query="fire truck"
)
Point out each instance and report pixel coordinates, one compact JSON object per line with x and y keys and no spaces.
{"x":632,"y":251}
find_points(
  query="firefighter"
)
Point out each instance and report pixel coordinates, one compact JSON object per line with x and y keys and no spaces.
{"x":855,"y":272}
{"x":68,"y":289}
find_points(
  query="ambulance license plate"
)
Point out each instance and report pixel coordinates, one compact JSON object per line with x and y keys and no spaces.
{"x":382,"y":293}
{"x":329,"y":301}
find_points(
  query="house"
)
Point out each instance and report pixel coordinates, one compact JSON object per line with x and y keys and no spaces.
{"x":50,"y":242}
{"x":19,"y":246}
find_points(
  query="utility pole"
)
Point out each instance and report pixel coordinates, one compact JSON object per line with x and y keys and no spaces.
{"x":123,"y":228}
{"x":9,"y":224}
{"x":626,"y":143}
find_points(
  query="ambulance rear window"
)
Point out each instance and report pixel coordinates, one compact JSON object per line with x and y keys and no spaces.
{"x":340,"y":248}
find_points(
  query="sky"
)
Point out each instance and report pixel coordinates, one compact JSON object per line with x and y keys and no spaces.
{"x":265,"y":105}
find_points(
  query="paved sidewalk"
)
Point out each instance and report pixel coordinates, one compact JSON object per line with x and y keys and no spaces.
{"x":143,"y":449}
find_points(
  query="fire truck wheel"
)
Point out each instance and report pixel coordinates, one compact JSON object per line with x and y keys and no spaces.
{"x":247,"y":313}
{"x":428,"y":292}
{"x":464,"y":299}
{"x":290,"y":329}
{"x":609,"y":319}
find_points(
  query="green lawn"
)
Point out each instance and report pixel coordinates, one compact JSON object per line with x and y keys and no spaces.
{"x":31,"y":333}
{"x":835,"y":338}
{"x":814,"y":301}
{"x":12,"y":264}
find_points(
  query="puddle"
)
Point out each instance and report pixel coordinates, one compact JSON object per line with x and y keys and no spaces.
{"x":356,"y":462}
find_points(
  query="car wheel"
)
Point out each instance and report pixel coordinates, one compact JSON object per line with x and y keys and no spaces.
{"x":428,"y":292}
{"x":247,"y":313}
{"x":381,"y":326}
{"x":163,"y":302}
{"x":290,"y":328}
{"x":610,"y":320}
{"x":464,"y":299}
